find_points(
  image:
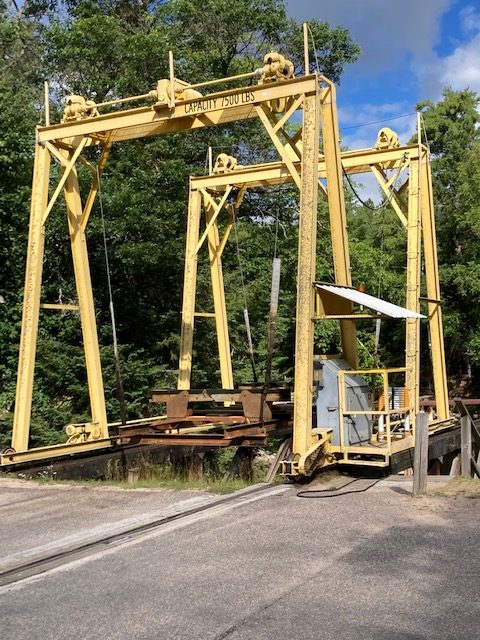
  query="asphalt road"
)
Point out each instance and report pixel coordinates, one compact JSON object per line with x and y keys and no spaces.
{"x":373,"y":565}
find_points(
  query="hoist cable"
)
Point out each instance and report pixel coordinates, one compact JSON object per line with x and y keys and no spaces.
{"x":387,"y":198}
{"x":368,"y":124}
{"x":314,"y":50}
{"x":378,"y":321}
{"x":116,"y":354}
{"x":422,"y":120}
{"x":272,"y":321}
{"x":362,"y":202}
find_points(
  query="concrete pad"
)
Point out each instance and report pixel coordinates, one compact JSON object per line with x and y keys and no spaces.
{"x":34,"y":514}
{"x":366,"y":566}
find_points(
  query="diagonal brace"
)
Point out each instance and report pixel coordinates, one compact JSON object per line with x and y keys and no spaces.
{"x":95,"y":184}
{"x":391,"y":196}
{"x":63,"y":179}
{"x":278,"y":145}
{"x":217,"y":207}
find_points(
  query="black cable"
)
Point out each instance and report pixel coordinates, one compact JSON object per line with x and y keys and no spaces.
{"x":367,"y":124}
{"x":380,"y":206}
{"x":332,"y":492}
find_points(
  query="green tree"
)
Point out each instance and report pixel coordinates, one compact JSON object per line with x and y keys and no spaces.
{"x":453,"y":134}
{"x":104,"y":49}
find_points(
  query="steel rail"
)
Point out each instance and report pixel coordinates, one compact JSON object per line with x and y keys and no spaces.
{"x":54,"y":559}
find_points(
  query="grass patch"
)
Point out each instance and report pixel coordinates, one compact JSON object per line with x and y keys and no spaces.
{"x":212,"y":485}
{"x":466,"y":487}
{"x":212,"y":472}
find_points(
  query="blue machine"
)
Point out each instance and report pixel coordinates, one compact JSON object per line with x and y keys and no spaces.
{"x":357,"y":428}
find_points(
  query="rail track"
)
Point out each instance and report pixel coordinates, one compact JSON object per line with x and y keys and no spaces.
{"x":21,"y":566}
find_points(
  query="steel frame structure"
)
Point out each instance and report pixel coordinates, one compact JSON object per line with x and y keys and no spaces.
{"x":412,"y":162}
{"x":274,"y":105}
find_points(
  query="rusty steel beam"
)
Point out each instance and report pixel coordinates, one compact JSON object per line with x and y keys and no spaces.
{"x":198,"y":440}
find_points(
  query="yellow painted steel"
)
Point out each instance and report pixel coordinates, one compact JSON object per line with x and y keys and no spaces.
{"x":412,"y":338}
{"x":337,"y":212}
{"x":68,"y":167}
{"x":219,"y":303}
{"x":399,"y":160}
{"x":389,"y":193}
{"x":31,"y":301}
{"x":433,"y":290}
{"x":189,"y":290}
{"x":274,"y":103}
{"x":280,"y":147}
{"x":306,"y":264}
{"x":96,"y":184}
{"x":213,"y":109}
{"x":85,"y":302}
{"x":274,"y":173}
{"x":54,"y":451}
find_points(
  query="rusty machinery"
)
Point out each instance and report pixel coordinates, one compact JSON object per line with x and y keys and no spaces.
{"x":248,"y":415}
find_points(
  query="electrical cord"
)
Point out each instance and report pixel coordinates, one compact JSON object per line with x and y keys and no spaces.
{"x":332,"y":493}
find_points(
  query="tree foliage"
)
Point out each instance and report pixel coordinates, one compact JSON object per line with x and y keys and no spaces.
{"x":452,"y":129}
{"x":104,"y":49}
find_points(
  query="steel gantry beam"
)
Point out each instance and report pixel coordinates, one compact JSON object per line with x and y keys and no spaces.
{"x":410,"y":164}
{"x":206,"y":111}
{"x":273,"y":102}
{"x":65,"y":142}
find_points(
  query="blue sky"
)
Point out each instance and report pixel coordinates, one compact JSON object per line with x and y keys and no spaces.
{"x":410,"y":51}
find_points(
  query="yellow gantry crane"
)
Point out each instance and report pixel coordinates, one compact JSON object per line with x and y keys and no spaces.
{"x":381,"y":428}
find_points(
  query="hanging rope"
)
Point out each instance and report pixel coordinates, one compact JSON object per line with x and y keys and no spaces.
{"x":116,"y":354}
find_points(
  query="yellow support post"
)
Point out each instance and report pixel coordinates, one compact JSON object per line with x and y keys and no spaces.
{"x":189,"y":289}
{"x":300,"y":164}
{"x":86,"y":305}
{"x":412,"y":340}
{"x":31,"y":301}
{"x":219,"y":303}
{"x":338,"y":216}
{"x":433,"y":290}
{"x":307,"y":236}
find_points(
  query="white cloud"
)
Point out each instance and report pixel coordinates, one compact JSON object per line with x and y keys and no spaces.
{"x":359,"y":126}
{"x":386,"y":32}
{"x":460,"y":70}
{"x":470,"y":19}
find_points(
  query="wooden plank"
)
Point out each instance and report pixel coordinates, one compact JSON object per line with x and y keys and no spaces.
{"x":420,"y":464}
{"x":475,"y":467}
{"x":283,"y":450}
{"x":439,"y":444}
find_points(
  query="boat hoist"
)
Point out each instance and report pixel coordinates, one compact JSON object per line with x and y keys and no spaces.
{"x":336,"y":412}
